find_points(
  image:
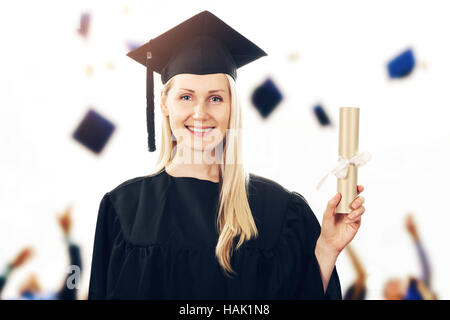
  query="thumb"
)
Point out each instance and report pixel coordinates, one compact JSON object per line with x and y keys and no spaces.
{"x":331,"y":205}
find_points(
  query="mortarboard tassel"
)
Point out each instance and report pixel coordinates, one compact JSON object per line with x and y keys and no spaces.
{"x":150,"y":106}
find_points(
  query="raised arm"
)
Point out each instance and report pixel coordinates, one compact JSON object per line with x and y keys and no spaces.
{"x":68,"y":290}
{"x":18,"y":261}
{"x":361,"y":276}
{"x":412,"y":229}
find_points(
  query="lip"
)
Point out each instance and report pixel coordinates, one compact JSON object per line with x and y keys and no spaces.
{"x":186,"y":125}
{"x":199,"y":134}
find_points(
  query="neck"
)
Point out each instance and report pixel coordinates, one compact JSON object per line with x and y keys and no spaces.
{"x":201,"y":164}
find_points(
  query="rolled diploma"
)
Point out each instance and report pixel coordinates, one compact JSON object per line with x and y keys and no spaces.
{"x":348,"y":147}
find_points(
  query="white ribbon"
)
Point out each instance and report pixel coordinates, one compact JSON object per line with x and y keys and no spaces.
{"x":340,"y":171}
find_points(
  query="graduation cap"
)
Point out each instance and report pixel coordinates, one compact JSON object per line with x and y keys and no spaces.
{"x":203,"y":44}
{"x":84,"y":24}
{"x":266,"y":97}
{"x":402,"y":65}
{"x":94,"y":131}
{"x":321,"y":115}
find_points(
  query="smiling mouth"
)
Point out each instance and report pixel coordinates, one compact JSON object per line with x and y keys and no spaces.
{"x":199,"y":131}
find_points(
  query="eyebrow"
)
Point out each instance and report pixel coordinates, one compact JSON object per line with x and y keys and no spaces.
{"x":210,"y":91}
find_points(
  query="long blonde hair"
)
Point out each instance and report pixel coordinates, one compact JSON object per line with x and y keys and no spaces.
{"x":234,"y":217}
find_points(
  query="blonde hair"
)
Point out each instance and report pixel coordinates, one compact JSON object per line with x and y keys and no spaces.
{"x":234,"y":217}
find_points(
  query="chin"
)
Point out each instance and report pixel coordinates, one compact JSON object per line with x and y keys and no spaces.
{"x":205,"y":147}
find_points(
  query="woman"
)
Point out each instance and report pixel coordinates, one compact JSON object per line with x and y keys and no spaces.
{"x":199,"y":227}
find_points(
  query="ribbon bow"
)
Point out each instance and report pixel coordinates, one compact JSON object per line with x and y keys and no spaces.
{"x":342,"y":167}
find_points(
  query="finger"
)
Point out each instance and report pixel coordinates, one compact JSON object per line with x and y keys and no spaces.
{"x":355,"y":214}
{"x":359,"y":189}
{"x":331,"y":205}
{"x":358,"y":202}
{"x":356,"y":222}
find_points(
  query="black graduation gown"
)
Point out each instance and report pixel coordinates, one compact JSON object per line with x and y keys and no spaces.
{"x":156,"y":235}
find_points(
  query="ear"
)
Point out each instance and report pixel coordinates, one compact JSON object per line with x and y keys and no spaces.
{"x":163,"y":105}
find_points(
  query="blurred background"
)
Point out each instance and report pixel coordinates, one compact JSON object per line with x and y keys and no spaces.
{"x":73,"y":126}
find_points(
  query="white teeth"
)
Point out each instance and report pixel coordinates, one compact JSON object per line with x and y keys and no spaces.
{"x":200,"y":130}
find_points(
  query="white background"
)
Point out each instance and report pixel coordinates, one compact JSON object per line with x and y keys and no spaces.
{"x":343,"y":49}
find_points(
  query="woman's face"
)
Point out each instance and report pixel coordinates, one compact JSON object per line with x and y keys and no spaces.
{"x":198,"y":107}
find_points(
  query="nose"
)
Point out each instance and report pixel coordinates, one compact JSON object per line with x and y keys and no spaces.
{"x":200,"y":111}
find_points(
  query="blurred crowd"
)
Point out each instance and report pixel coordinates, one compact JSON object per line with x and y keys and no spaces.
{"x":411,"y":288}
{"x":31,"y":288}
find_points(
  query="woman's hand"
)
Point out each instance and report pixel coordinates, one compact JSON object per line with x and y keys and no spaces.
{"x":411,"y":226}
{"x":339,"y":229}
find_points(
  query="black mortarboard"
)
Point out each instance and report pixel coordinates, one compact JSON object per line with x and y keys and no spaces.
{"x":321,"y":115}
{"x":203,"y":44}
{"x":266,"y":97}
{"x":94,"y":131}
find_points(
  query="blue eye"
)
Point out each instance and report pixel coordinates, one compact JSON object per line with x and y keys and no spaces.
{"x":215,"y":97}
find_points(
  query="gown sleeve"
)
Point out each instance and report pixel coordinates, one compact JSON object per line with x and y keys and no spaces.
{"x":65,"y":293}
{"x":104,"y":235}
{"x":426,"y":274}
{"x":4,"y":278}
{"x":303,"y":228}
{"x":2,"y":282}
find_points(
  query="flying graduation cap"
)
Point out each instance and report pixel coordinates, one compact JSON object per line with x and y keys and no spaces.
{"x":94,"y":131}
{"x":203,"y":44}
{"x":402,"y":65}
{"x":266,"y":97}
{"x":321,"y":115}
{"x":84,"y":24}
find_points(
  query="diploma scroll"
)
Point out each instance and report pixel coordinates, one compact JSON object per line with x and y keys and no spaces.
{"x":348,"y":148}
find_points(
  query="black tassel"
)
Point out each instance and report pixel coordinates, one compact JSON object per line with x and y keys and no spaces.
{"x":150,"y":106}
